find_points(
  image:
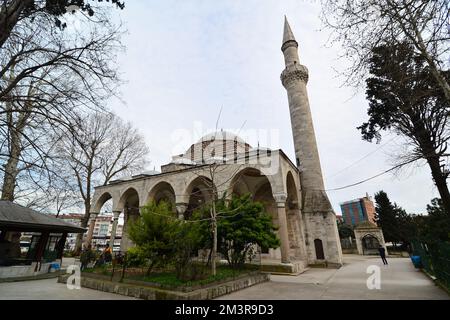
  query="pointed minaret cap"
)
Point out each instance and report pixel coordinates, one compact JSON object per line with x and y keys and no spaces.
{"x":287,"y":35}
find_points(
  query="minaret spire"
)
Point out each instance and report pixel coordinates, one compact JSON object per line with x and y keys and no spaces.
{"x":288,"y":35}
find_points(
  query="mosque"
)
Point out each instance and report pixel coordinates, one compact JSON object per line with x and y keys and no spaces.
{"x":292,"y":191}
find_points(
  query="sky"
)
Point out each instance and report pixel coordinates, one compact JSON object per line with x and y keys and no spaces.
{"x":187,"y":60}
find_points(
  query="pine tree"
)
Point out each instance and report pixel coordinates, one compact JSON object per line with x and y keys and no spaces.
{"x":386,"y":217}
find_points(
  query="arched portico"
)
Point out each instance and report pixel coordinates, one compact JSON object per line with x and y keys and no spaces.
{"x":129,"y":204}
{"x":162,"y":191}
{"x":199,"y":192}
{"x":98,"y":203}
{"x":294,"y":218}
{"x":251,"y":180}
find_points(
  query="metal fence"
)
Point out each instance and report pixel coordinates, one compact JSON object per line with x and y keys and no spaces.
{"x":435,"y":259}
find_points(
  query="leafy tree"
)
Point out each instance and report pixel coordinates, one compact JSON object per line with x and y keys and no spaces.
{"x":405,"y":98}
{"x":436,"y":225}
{"x":153,"y":233}
{"x":398,"y":226}
{"x":345,"y":231}
{"x":242,"y":225}
{"x":161,"y":239}
{"x":385,"y":216}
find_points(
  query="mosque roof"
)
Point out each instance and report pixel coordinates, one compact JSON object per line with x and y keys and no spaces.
{"x":221,"y":135}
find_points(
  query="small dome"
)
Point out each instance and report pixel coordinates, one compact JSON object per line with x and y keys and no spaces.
{"x":183,"y":161}
{"x":216,"y":160}
{"x":221,"y":135}
{"x":151,"y":172}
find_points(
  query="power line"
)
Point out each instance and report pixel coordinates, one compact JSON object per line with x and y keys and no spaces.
{"x":373,"y":177}
{"x":363,"y":157}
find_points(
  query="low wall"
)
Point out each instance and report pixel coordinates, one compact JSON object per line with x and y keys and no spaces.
{"x":151,"y":293}
{"x":23,"y":271}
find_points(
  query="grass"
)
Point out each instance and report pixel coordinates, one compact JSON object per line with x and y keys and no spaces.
{"x":169,"y":279}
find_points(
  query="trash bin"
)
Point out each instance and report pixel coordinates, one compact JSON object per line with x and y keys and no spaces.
{"x":54,"y":267}
{"x":417,"y":262}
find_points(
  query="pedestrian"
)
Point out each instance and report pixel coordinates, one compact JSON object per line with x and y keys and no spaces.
{"x":84,"y":257}
{"x":107,"y":254}
{"x":382,"y":252}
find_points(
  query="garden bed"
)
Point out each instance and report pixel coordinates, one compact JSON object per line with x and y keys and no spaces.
{"x":164,"y":286}
{"x":168,"y":280}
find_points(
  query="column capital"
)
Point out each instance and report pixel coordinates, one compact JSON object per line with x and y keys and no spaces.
{"x":280,"y":199}
{"x":93,"y":215}
{"x":181,"y":209}
{"x":116,"y":214}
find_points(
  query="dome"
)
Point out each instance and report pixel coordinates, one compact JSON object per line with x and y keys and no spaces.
{"x":221,"y":135}
{"x":183,"y":161}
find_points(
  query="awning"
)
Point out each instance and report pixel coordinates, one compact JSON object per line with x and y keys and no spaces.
{"x":14,"y":217}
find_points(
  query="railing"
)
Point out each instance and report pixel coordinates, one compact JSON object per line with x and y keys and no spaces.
{"x":15,"y":262}
{"x":435,"y":259}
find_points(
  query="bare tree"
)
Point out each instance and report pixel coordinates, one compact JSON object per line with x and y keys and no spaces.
{"x":48,"y":80}
{"x":362,"y":25}
{"x":102,"y":148}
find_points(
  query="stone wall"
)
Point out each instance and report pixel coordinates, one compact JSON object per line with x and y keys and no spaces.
{"x":139,"y":290}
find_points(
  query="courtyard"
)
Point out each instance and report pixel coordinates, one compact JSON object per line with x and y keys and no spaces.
{"x":399,"y":280}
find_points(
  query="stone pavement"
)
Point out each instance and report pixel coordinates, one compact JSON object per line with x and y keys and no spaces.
{"x":399,"y":280}
{"x":49,"y":289}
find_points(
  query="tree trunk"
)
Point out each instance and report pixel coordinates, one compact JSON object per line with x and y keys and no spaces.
{"x":84,"y":224}
{"x":429,"y":153}
{"x":9,"y":16}
{"x":9,"y":179}
{"x":15,"y":129}
{"x":214,"y":248}
{"x":440,"y":181}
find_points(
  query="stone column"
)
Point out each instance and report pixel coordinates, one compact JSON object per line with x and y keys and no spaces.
{"x":40,"y":250}
{"x":181,"y":209}
{"x":283,"y":229}
{"x":114,"y":229}
{"x":60,"y":246}
{"x":93,"y":217}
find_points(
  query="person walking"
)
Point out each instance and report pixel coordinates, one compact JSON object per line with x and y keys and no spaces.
{"x":382,"y":252}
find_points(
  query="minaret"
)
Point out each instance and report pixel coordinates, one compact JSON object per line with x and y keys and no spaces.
{"x":322,"y":238}
{"x":294,"y":79}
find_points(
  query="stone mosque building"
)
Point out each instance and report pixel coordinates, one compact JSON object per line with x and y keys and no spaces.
{"x":292,"y":192}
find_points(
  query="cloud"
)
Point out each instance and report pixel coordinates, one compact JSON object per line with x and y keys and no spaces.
{"x":185,"y":60}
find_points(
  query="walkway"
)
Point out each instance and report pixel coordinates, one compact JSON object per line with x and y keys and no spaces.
{"x":49,"y":289}
{"x":399,"y":280}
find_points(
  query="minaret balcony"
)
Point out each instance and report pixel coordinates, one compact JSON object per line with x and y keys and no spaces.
{"x":294,"y":73}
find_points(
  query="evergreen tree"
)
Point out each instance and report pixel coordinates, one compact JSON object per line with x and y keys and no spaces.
{"x":385,"y":217}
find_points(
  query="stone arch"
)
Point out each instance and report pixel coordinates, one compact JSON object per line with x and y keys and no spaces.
{"x":199,"y":192}
{"x":129,"y":199}
{"x":370,"y":243}
{"x":293,"y":217}
{"x":163,"y":190}
{"x":292,"y":201}
{"x":242,"y":183}
{"x":129,"y":203}
{"x":253,"y":181}
{"x":98,"y":204}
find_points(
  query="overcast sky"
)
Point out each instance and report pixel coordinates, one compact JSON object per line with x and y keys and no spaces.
{"x":187,"y":59}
